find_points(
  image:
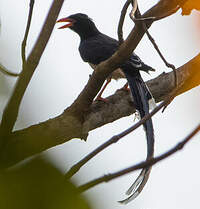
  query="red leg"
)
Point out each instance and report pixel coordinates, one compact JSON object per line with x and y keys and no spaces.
{"x":125,"y":87}
{"x":99,"y":96}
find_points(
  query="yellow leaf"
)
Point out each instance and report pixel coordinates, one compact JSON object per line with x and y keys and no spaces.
{"x":189,"y":6}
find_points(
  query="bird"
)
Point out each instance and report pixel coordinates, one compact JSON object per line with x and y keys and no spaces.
{"x":107,"y":49}
{"x":95,"y":47}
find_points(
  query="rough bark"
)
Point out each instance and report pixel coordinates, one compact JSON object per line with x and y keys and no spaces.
{"x":34,"y":139}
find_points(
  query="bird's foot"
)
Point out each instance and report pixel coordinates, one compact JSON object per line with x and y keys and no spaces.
{"x":125,"y":87}
{"x":99,"y":98}
{"x":169,"y":101}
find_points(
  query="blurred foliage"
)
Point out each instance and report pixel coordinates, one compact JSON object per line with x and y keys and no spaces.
{"x":38,"y":184}
{"x":189,"y":6}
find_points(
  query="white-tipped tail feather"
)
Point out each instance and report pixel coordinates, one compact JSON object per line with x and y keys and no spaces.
{"x":141,"y":97}
{"x":137,"y":186}
{"x":138,"y":181}
{"x":129,"y":199}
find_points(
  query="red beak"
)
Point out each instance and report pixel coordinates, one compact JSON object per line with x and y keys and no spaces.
{"x":68,"y":20}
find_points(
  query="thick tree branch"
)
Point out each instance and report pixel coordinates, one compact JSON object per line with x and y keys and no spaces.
{"x":75,"y":168}
{"x":37,"y":138}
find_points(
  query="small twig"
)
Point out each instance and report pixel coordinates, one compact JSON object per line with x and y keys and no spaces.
{"x":134,"y":6}
{"x":7,"y":72}
{"x":23,"y":46}
{"x":112,"y":140}
{"x":121,"y":21}
{"x":169,"y":13}
{"x":132,"y":15}
{"x":141,"y":165}
{"x":122,"y":18}
{"x":156,"y":46}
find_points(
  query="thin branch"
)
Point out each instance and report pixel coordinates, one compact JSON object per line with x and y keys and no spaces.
{"x":146,"y":19}
{"x":141,"y":165}
{"x":23,"y":47}
{"x":121,"y":21}
{"x":156,"y":46}
{"x":154,"y":43}
{"x":7,"y":72}
{"x":112,"y":140}
{"x":2,"y":68}
{"x":11,"y":111}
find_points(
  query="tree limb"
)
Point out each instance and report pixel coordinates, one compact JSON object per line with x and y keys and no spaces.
{"x":75,"y":168}
{"x":37,"y":138}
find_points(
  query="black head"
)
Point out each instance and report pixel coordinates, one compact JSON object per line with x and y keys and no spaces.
{"x":81,"y":24}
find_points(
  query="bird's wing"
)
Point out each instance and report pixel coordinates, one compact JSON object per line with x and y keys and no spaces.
{"x":97,"y":48}
{"x":100,"y":47}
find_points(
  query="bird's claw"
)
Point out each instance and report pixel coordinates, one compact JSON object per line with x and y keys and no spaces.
{"x":101,"y":99}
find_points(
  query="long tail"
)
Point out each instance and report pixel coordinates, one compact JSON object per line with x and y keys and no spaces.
{"x":141,"y":97}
